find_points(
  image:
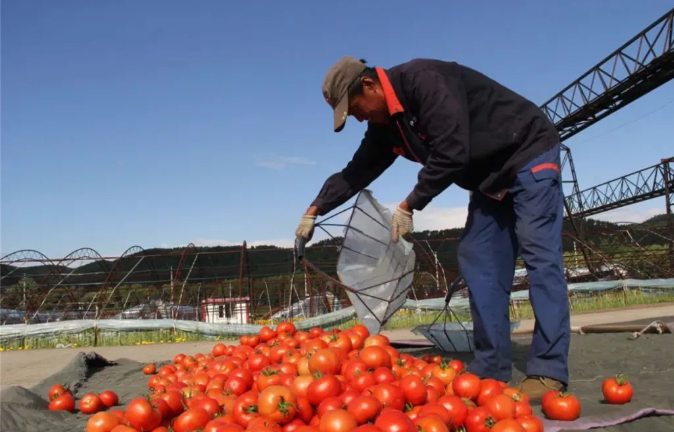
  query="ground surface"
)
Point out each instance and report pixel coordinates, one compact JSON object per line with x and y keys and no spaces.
{"x":648,"y":361}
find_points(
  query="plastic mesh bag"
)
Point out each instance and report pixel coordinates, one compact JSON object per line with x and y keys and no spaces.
{"x":378,"y":271}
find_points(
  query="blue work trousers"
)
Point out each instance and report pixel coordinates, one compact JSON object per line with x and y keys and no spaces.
{"x":526,"y":221}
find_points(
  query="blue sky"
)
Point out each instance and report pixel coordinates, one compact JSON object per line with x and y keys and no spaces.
{"x":162,"y":122}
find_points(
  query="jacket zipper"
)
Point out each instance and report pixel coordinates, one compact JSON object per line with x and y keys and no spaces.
{"x":409,"y":147}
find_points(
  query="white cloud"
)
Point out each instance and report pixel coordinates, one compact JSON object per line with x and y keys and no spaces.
{"x":270,"y":164}
{"x":280,"y":162}
{"x":629,"y":215}
{"x":437,"y":218}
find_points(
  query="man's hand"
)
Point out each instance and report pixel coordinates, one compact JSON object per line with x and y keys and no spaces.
{"x":306,"y":227}
{"x":401,"y":223}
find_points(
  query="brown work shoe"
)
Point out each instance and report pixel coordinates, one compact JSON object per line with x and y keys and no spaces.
{"x":536,"y":387}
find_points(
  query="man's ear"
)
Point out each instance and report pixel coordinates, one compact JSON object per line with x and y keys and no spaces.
{"x":369,"y":83}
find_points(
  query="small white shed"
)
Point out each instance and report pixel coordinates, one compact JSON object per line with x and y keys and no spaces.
{"x":225,"y":310}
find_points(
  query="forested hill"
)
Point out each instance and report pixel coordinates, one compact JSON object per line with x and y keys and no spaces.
{"x":224,"y":261}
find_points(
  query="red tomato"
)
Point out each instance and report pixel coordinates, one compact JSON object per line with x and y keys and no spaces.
{"x":383,"y":375}
{"x":286,"y":327}
{"x":218,"y":350}
{"x":221,"y":425}
{"x":501,"y":406}
{"x":390,"y":395}
{"x":562,"y":406}
{"x":479,"y":420}
{"x":617,"y":390}
{"x":330,"y":404}
{"x":531,"y":423}
{"x":65,"y":402}
{"x":466,"y":385}
{"x":444,"y":373}
{"x":322,"y":388}
{"x":432,"y":394}
{"x":109,"y":398}
{"x":305,"y":411}
{"x":436,"y":409}
{"x":174,"y":400}
{"x":364,"y":408}
{"x":363,"y":381}
{"x":257,"y":362}
{"x":191,"y":420}
{"x":210,"y":405}
{"x":375,"y":356}
{"x":352,"y":369}
{"x":150,"y":369}
{"x":456,"y":408}
{"x":363,"y":428}
{"x":337,"y":421}
{"x":414,"y":389}
{"x":523,"y":409}
{"x":102,"y":422}
{"x":57,"y":390}
{"x":294,"y":426}
{"x":277,"y":403}
{"x":141,"y":414}
{"x":266,"y":334}
{"x":325,"y":361}
{"x":457,"y":365}
{"x":90,"y":403}
{"x":245,"y":408}
{"x":431,"y":423}
{"x":267,"y":378}
{"x":391,"y":420}
{"x":488,"y":389}
{"x":349,"y":395}
{"x":508,"y":425}
{"x":361,"y":330}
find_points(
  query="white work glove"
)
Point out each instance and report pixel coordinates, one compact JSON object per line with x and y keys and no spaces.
{"x":401,"y":224}
{"x":306,"y":227}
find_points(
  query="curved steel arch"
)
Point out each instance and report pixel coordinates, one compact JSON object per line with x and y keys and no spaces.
{"x":183,"y":258}
{"x":54,"y":269}
{"x":85,"y":253}
{"x":76,"y":255}
{"x":27,"y":255}
{"x":183,"y":264}
{"x":111,"y":276}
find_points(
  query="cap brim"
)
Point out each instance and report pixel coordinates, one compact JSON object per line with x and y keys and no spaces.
{"x":341,"y":112}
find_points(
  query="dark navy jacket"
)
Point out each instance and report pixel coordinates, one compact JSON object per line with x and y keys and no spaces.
{"x":463,"y":127}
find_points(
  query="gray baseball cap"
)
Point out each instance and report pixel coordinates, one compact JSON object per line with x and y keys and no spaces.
{"x":336,"y":85}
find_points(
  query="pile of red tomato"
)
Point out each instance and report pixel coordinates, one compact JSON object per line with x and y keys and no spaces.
{"x":284,"y":380}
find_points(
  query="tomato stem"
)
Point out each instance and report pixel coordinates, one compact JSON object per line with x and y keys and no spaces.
{"x":251,"y":409}
{"x":621,"y":379}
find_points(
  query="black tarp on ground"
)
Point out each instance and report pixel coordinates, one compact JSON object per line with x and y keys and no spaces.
{"x":25,"y":410}
{"x":648,"y":361}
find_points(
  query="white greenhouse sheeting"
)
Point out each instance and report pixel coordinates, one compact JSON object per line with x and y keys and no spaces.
{"x":328,"y":320}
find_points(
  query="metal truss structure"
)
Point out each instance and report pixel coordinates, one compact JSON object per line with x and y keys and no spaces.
{"x":652,"y":182}
{"x":638,"y":67}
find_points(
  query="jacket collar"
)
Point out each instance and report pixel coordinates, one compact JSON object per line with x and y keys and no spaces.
{"x":392,"y":101}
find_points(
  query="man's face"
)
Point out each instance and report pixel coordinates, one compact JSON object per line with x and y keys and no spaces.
{"x":370,"y":105}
